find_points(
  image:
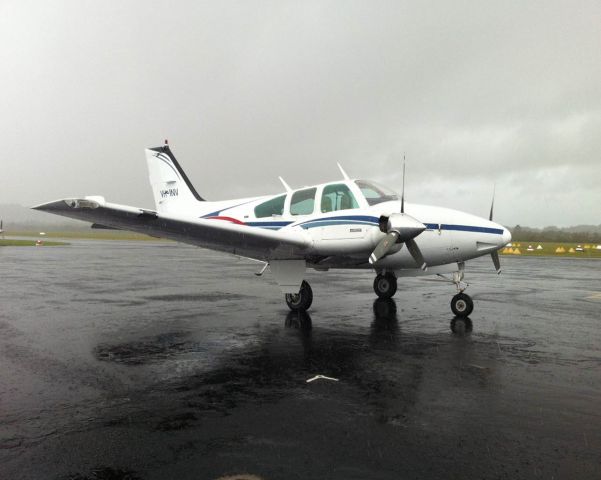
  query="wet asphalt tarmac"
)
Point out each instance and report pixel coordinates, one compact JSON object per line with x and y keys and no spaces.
{"x":153,"y":361}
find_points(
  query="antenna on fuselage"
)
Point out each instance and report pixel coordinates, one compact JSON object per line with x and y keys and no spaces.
{"x":286,"y":186}
{"x":400,"y":228}
{"x":492,"y":205}
{"x":346,"y":177}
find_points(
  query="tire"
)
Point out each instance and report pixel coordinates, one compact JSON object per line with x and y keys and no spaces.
{"x":301,"y":300}
{"x":385,"y":285}
{"x":462,"y":305}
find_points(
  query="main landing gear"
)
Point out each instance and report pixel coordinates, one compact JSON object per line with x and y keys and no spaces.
{"x":385,"y":285}
{"x":301,"y":300}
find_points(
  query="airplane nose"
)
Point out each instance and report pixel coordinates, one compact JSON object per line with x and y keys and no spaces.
{"x":506,"y":238}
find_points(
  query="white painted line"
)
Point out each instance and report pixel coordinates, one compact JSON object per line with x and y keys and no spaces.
{"x":321,"y":377}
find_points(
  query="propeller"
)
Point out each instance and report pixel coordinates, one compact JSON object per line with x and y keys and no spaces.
{"x":494,"y":255}
{"x":496,"y":261}
{"x":399,"y":228}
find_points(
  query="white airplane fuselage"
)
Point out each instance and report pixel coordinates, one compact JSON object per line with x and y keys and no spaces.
{"x":344,"y":238}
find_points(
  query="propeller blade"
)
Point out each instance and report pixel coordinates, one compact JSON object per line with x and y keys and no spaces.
{"x":416,"y":253}
{"x":496,"y":261}
{"x":403,"y":190}
{"x":383,"y":247}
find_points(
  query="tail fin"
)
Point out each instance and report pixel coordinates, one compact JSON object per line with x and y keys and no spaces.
{"x":171,"y":187}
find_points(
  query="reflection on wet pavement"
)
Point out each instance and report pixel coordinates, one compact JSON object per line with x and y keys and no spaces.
{"x":154,"y":349}
{"x":166,"y":367}
{"x":104,"y":473}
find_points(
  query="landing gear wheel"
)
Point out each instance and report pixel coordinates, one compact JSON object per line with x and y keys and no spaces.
{"x":301,"y":300}
{"x":462,"y":305}
{"x":385,"y":285}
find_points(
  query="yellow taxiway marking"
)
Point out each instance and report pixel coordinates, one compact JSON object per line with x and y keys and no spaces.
{"x":595,"y":296}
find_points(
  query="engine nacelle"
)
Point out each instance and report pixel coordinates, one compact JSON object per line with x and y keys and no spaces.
{"x":404,"y":225}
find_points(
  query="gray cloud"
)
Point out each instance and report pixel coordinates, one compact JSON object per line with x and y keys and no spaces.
{"x":474,"y":93}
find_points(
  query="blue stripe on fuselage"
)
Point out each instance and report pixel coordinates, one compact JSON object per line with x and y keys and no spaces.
{"x":366,"y":220}
{"x":277,"y":225}
{"x":320,"y":222}
{"x":327,"y":223}
{"x":464,"y":228}
{"x":340,"y":220}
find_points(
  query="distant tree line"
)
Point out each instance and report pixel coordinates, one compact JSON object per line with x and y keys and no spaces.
{"x":579,"y":234}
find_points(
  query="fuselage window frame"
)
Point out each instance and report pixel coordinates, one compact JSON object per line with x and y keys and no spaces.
{"x":304,"y":203}
{"x":274,"y":206}
{"x":343,"y":199}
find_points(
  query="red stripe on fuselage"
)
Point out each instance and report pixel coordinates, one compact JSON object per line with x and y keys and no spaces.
{"x":227,"y":219}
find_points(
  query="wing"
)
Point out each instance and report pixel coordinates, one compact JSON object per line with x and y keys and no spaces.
{"x":252,"y":242}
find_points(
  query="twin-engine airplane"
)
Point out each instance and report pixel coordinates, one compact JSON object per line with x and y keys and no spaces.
{"x":344,"y":224}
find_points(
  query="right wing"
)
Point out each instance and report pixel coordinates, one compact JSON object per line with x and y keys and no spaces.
{"x":252,"y":242}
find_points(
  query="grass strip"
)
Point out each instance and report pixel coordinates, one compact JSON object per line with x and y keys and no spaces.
{"x":28,"y":243}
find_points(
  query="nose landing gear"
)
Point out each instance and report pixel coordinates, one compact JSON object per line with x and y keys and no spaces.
{"x":462,"y":305}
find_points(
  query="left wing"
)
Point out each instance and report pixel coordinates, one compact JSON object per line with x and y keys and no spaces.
{"x":252,"y":242}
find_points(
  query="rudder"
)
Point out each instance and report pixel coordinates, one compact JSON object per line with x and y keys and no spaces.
{"x":171,"y":187}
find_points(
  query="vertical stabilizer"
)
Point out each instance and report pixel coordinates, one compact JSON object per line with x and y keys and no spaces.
{"x":173,"y":192}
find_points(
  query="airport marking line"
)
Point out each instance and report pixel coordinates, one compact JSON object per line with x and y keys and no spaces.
{"x":321,"y":377}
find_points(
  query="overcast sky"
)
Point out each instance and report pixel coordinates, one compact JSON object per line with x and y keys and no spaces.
{"x":473,"y":93}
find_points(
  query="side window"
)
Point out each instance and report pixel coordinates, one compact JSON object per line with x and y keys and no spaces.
{"x":303,"y":202}
{"x":272,"y":207}
{"x":337,"y":197}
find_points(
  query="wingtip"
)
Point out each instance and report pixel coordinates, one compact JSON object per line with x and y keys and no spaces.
{"x":44,"y":207}
{"x":64,"y":204}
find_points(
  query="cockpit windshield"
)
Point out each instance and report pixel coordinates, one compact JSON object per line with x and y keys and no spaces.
{"x":375,"y":193}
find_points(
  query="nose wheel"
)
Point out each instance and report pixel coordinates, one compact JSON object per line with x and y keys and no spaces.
{"x":385,"y":285}
{"x":462,"y":305}
{"x":301,"y":300}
